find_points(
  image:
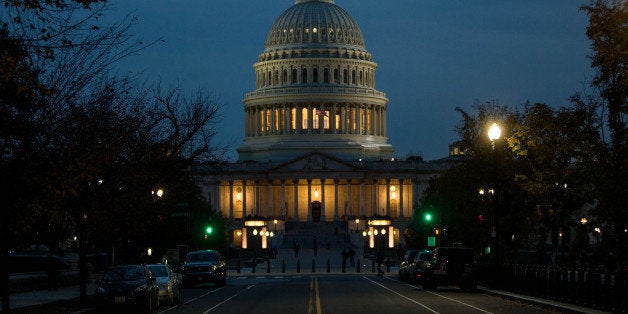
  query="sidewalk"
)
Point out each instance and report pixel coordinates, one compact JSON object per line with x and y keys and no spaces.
{"x":25,"y":299}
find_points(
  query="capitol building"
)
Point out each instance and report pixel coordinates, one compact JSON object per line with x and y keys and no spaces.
{"x":315,"y":146}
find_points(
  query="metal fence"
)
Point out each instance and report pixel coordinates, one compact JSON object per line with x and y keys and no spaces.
{"x":591,"y":288}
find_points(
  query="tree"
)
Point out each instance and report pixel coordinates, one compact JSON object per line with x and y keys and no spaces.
{"x":608,"y":32}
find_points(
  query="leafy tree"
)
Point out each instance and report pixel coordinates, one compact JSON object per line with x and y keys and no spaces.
{"x":608,"y":32}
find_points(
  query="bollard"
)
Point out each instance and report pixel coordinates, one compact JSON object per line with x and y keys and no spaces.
{"x":283,"y":265}
{"x":358,"y":265}
{"x":298,"y":265}
{"x":268,"y":265}
{"x":328,"y":265}
{"x":313,"y":265}
{"x":238,"y":265}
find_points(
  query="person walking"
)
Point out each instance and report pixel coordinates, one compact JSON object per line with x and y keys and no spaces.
{"x":380,"y":260}
{"x":296,"y":249}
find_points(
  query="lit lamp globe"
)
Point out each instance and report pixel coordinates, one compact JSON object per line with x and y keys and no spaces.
{"x":494,"y":132}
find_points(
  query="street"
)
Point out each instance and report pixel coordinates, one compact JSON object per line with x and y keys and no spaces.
{"x":353,"y":293}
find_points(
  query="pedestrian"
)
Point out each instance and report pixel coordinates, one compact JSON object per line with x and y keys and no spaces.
{"x":380,"y":260}
{"x":52,"y":270}
{"x":351,"y":257}
{"x":344,"y":254}
{"x":296,"y":249}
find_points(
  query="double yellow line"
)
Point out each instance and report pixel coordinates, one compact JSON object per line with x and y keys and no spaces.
{"x":315,"y":298}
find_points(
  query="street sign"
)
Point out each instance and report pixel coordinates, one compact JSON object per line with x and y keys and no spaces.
{"x":431,"y":241}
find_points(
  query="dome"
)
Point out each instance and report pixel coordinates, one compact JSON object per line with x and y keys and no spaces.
{"x":314,"y":24}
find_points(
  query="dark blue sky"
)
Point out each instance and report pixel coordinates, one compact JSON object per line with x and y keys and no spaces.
{"x":432,"y":56}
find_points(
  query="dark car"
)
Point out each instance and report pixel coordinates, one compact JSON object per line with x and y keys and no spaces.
{"x":404,"y":267}
{"x":128,"y":286}
{"x":451,"y":266}
{"x":418,"y":266}
{"x":168,"y":282}
{"x":206,"y":266}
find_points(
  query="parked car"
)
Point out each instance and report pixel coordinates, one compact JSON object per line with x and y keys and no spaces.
{"x":404,"y":266}
{"x":418,"y":266}
{"x":206,"y":266}
{"x":451,"y":266}
{"x":128,"y":286}
{"x":168,"y":282}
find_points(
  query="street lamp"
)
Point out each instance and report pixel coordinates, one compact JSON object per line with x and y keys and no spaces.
{"x":357,"y":221}
{"x":494,"y":133}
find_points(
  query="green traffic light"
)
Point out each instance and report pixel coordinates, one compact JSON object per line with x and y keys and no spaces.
{"x":428,"y":217}
{"x":208,"y":230}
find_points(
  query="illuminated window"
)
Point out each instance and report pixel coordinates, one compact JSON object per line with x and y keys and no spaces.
{"x":304,"y":119}
{"x":293,"y":121}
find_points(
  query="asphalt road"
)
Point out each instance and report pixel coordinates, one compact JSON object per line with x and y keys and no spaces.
{"x":336,"y":294}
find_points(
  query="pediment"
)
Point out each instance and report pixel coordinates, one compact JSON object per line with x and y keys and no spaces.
{"x":314,"y":162}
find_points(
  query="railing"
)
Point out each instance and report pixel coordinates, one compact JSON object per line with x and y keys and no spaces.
{"x":591,"y":288}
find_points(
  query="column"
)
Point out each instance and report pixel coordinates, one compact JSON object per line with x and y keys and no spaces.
{"x":358,"y":113}
{"x":230,"y":199}
{"x":283,"y":199}
{"x":415,"y":193}
{"x":375,"y":198}
{"x":256,"y":201}
{"x":362,"y":190}
{"x":323,"y":216}
{"x":295,"y":183}
{"x":343,"y":120}
{"x":336,"y":218}
{"x":299,"y":122}
{"x":401,"y":199}
{"x":243,"y":198}
{"x":310,"y":119}
{"x":332,"y":119}
{"x":269,"y":210}
{"x":349,"y":208}
{"x":388,"y":197}
{"x":309,"y":200}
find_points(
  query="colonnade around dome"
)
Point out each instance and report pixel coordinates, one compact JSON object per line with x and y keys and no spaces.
{"x":315,"y":118}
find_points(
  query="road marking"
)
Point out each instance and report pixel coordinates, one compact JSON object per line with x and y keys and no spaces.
{"x":450,"y":299}
{"x":315,"y":301}
{"x":229,"y":298}
{"x":401,"y":295}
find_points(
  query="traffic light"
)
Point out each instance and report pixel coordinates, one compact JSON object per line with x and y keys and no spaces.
{"x":209,"y":230}
{"x":428,"y":217}
{"x":481,"y":218}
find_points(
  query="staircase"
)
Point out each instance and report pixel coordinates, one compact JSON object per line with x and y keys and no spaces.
{"x":326,"y":234}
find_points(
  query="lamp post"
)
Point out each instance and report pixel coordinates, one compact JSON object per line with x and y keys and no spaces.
{"x":494,"y":133}
{"x":357,"y":226}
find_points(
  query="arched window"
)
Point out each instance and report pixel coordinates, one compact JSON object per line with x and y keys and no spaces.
{"x":336,"y":78}
{"x":304,"y":76}
{"x":361,"y":78}
{"x":353,"y":77}
{"x":284,"y":78}
{"x":326,"y":75}
{"x":344,"y":76}
{"x":294,"y":76}
{"x":315,"y":75}
{"x":276,"y":80}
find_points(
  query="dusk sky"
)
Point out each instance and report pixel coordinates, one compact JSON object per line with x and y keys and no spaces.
{"x":432,"y":56}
